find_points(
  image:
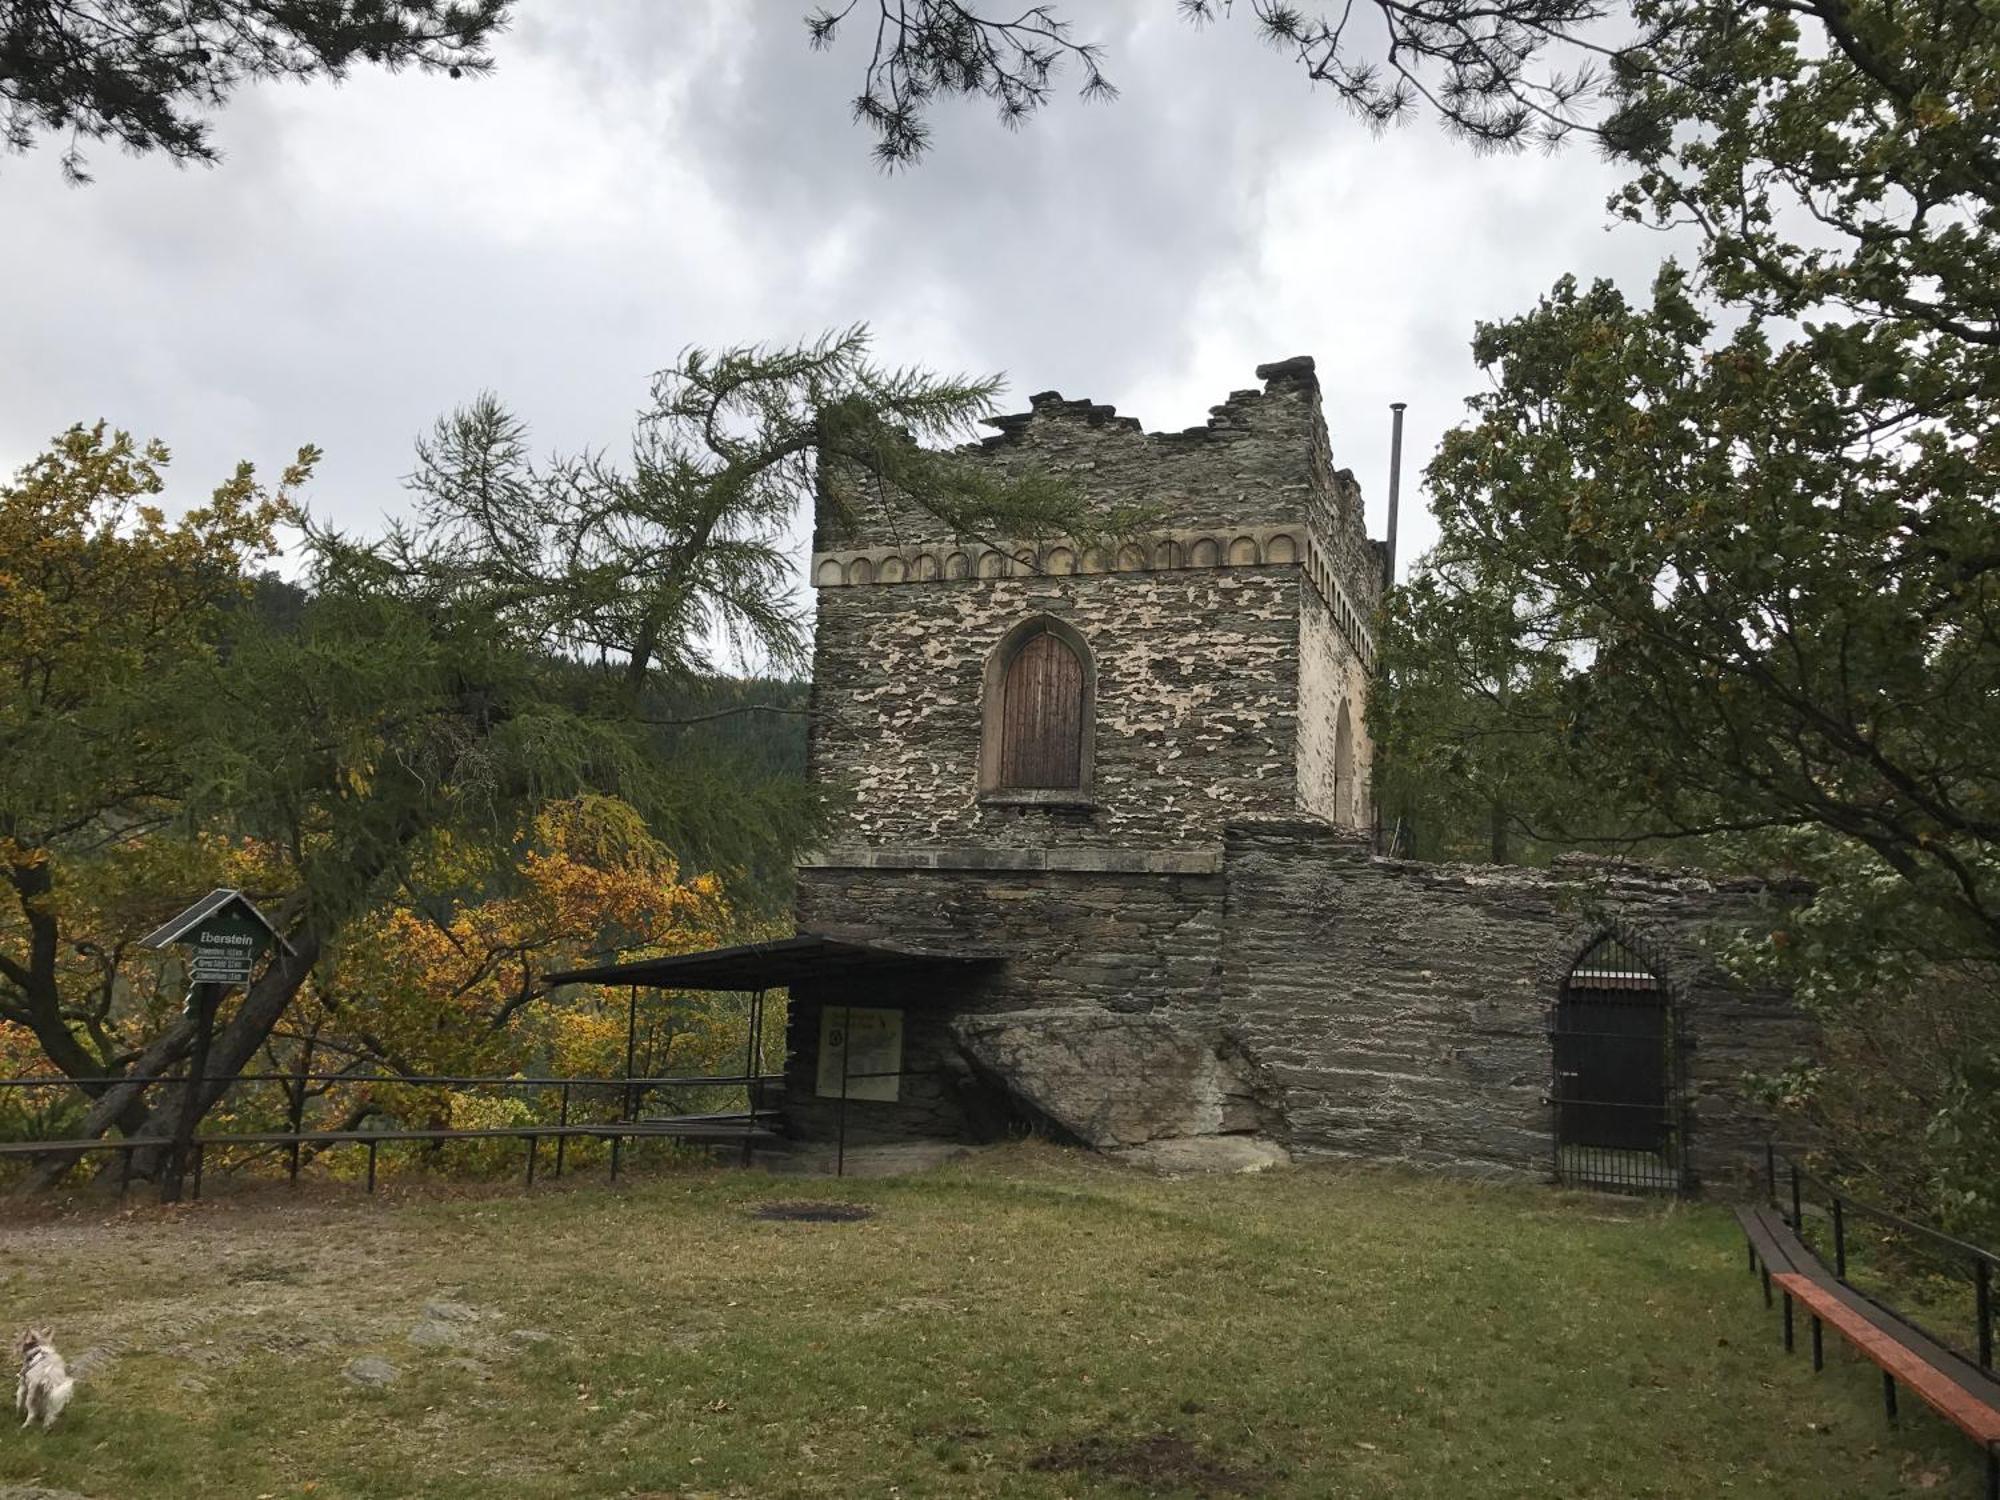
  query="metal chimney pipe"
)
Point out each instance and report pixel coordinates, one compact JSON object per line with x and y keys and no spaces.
{"x":1395,"y":490}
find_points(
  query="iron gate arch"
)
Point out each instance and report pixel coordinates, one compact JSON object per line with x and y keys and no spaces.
{"x":1616,"y":1056}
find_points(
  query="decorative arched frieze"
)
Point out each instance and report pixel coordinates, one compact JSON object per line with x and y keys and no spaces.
{"x":1268,"y":546}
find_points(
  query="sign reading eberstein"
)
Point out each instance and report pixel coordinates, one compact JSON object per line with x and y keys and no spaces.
{"x":224,"y":935}
{"x":871,"y":1041}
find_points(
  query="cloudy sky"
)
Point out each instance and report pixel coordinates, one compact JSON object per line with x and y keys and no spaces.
{"x":636,"y":177}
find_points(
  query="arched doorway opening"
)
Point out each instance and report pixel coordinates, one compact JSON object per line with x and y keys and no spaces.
{"x":1617,"y":1089}
{"x":1345,"y":810}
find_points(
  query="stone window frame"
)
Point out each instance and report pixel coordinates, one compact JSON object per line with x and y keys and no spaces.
{"x":1675,"y":994}
{"x":992,"y":693}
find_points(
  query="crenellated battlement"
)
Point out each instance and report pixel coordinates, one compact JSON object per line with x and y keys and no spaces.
{"x":1260,"y":467}
{"x":1235,"y":417}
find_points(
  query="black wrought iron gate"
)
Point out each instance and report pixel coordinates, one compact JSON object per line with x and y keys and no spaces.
{"x":1617,"y":1083}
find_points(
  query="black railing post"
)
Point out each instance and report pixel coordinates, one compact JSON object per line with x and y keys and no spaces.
{"x":1839,"y":1242}
{"x":562,"y":1141}
{"x":1771,"y":1174}
{"x":1798,"y":1216}
{"x":1982,"y":1283}
{"x":371,"y":1166}
{"x":297,"y":1113}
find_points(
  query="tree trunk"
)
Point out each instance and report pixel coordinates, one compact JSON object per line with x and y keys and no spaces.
{"x":233,"y":1047}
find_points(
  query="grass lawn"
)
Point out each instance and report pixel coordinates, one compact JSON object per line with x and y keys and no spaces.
{"x":1029,"y":1323}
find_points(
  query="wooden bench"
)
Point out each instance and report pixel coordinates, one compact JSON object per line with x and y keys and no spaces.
{"x":1959,"y":1391}
{"x":1771,"y":1241}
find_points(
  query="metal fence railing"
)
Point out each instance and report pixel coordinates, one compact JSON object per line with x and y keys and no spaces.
{"x":574,"y":1119}
{"x":1942,"y":1286}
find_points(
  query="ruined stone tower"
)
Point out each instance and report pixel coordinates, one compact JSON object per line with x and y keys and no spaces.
{"x":1213,"y":666}
{"x":1104,"y":862}
{"x":1044,"y":744}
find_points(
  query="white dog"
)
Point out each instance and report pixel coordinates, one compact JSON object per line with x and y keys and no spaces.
{"x":45,"y":1385}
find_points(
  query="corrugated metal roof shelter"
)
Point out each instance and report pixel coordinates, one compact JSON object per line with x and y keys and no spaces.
{"x":753,"y":968}
{"x":768,"y":966}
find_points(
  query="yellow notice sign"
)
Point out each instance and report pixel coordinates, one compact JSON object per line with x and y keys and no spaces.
{"x":871,"y":1042}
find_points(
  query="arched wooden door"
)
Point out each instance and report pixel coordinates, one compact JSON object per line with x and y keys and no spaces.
{"x":1617,"y":1075}
{"x":1041,"y":725}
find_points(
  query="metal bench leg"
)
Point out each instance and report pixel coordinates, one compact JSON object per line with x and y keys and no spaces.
{"x":1819,"y":1347}
{"x":1788,"y":1322}
{"x":1767,"y":1285}
{"x":1889,"y":1394}
{"x":1752,"y":1250}
{"x":1992,"y":1472}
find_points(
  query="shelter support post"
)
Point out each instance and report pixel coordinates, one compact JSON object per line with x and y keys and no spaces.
{"x":753,"y":1066}
{"x":846,"y":1051}
{"x":631,"y":1052}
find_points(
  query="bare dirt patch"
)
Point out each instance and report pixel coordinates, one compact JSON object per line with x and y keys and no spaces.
{"x":813,"y":1213}
{"x":1159,"y":1463}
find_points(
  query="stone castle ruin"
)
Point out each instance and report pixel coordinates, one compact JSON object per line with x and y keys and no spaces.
{"x":1107,"y":843}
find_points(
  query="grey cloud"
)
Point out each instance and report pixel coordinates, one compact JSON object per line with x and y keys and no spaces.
{"x":638,"y":176}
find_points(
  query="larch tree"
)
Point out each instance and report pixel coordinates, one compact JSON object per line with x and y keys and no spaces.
{"x":443,"y":682}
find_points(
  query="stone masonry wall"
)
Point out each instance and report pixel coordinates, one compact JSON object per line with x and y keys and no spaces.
{"x":1103,"y":1021}
{"x":1394,"y":1011}
{"x":1196,"y":705}
{"x":1346,"y":1004}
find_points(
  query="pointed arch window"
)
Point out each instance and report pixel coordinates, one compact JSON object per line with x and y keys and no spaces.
{"x":1039,"y":697}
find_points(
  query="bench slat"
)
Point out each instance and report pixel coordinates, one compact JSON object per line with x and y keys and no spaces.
{"x":1967,"y":1412}
{"x":1769,"y":1236}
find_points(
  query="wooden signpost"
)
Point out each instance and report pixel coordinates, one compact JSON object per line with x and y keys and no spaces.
{"x":225,"y":936}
